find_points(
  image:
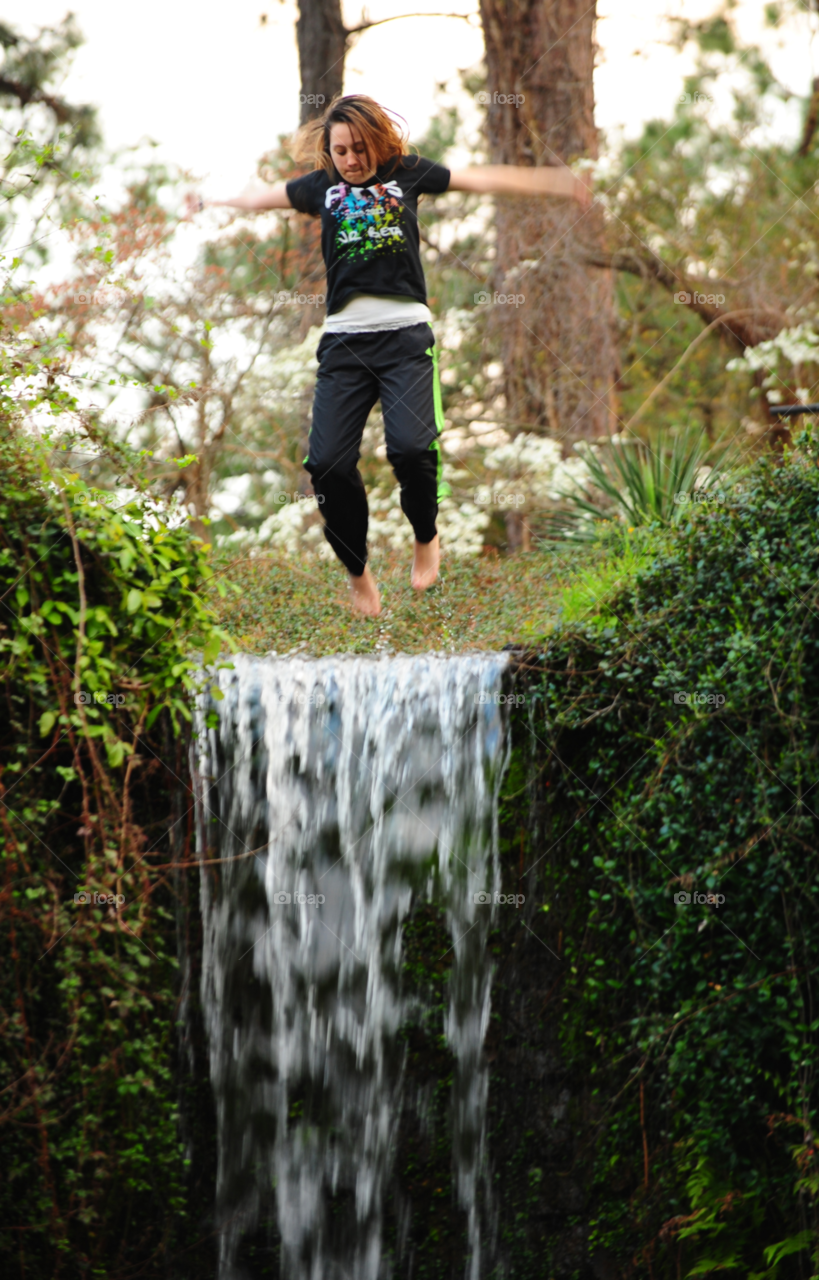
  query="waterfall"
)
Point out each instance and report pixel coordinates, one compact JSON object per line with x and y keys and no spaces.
{"x":334,"y":794}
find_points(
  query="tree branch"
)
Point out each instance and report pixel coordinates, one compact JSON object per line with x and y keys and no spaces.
{"x":730,"y":315}
{"x":649,"y":267}
{"x":810,"y":120}
{"x":25,"y":95}
{"x":365,"y":23}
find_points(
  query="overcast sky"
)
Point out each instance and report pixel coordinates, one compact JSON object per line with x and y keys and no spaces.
{"x":215,"y":86}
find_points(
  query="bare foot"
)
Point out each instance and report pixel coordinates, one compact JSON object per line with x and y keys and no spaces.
{"x":425,"y":564}
{"x":364,"y":593}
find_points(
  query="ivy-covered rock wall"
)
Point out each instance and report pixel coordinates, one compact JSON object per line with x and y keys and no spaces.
{"x":100,"y":618}
{"x":654,"y":1027}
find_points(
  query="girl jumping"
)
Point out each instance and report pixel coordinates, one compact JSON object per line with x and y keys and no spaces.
{"x":377,"y":341}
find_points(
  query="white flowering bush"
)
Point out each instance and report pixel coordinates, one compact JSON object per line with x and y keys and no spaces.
{"x":296,"y":528}
{"x":461,"y":524}
{"x":795,"y":348}
{"x":291,"y":371}
{"x":533,"y":465}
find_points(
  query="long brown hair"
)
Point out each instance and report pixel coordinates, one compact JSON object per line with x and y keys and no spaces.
{"x":383,"y":132}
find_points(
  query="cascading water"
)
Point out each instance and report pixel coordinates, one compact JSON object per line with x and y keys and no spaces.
{"x":338,"y":792}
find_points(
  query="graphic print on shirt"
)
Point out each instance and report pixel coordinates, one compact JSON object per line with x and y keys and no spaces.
{"x":368,"y":219}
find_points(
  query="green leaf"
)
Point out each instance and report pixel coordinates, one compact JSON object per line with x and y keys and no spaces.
{"x":211,"y":650}
{"x":152,"y":714}
{"x":47,"y":720}
{"x":116,"y":751}
{"x":134,"y":600}
{"x":216,"y":692}
{"x":794,"y":1244}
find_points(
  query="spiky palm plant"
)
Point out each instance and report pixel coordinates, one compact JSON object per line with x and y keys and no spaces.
{"x":638,"y":484}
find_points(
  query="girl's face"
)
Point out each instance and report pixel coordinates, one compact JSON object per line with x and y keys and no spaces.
{"x":349,"y":155}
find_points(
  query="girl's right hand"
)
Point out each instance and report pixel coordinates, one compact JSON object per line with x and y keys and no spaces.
{"x":583,"y":192}
{"x":193,"y":204}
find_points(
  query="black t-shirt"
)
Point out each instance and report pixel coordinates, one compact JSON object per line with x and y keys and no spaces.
{"x":369,"y":235}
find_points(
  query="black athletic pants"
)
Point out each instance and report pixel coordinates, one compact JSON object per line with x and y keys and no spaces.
{"x":354,"y":371}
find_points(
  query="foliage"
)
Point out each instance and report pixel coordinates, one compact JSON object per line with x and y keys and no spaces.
{"x":678,"y":746}
{"x":101,"y":623}
{"x":621,"y":553}
{"x":53,"y":139}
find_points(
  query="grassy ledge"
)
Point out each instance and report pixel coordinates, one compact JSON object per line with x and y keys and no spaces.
{"x":278,"y":604}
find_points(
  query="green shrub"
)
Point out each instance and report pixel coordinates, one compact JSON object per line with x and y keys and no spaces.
{"x":695,"y":1024}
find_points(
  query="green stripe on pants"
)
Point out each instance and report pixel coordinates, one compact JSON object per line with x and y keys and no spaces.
{"x":444,"y":489}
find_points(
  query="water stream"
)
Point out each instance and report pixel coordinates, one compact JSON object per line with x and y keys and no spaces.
{"x":338,"y":793}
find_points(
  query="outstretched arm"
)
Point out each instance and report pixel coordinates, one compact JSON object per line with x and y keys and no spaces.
{"x":275,"y":197}
{"x":516,"y":180}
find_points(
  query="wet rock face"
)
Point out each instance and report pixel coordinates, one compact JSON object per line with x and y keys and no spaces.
{"x":537,"y":1122}
{"x":540,"y":1113}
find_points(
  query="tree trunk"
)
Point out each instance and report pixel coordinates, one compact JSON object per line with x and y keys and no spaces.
{"x":557,"y":339}
{"x":322,"y":41}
